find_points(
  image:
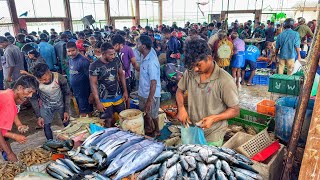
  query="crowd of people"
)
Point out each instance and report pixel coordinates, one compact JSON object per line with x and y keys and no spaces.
{"x":101,"y":67}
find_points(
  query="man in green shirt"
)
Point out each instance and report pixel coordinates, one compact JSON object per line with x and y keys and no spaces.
{"x":212,"y":93}
{"x":303,"y":30}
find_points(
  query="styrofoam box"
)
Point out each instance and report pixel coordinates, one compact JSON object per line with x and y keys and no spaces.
{"x":271,"y":168}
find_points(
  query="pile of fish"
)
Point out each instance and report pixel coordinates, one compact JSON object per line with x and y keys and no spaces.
{"x":58,"y":146}
{"x":175,"y":136}
{"x":111,"y":151}
{"x":233,"y":129}
{"x":199,"y":162}
{"x":9,"y":170}
{"x":34,"y":156}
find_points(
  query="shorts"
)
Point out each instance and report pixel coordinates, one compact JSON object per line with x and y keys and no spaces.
{"x":154,"y":107}
{"x":252,"y":65}
{"x":108,"y":112}
{"x":83,"y":105}
{"x":47,"y":113}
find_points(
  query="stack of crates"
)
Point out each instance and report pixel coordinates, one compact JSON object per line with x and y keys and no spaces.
{"x":259,"y":79}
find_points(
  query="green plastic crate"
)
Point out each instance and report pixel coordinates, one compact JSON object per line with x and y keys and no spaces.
{"x":256,"y":120}
{"x":284,"y":84}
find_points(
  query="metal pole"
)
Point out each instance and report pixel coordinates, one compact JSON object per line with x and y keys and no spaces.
{"x":197,"y":12}
{"x":305,"y":95}
{"x":228,"y":9}
{"x":184,"y":12}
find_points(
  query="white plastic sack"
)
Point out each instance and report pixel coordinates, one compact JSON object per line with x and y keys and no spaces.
{"x":297,"y":67}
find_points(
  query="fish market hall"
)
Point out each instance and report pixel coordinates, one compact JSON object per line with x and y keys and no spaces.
{"x":148,"y":90}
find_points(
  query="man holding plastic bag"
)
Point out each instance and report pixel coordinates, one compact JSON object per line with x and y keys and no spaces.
{"x":212,"y":96}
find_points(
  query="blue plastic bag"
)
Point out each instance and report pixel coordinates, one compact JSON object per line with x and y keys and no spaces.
{"x":192,"y":135}
{"x":95,"y":128}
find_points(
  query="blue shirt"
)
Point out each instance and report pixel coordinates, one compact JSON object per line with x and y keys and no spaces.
{"x":48,"y":53}
{"x":287,"y":42}
{"x":149,"y":70}
{"x":252,"y":53}
{"x":79,"y":74}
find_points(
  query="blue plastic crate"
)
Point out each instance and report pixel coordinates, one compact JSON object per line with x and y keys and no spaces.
{"x":262,"y":64}
{"x":247,"y":75}
{"x":261,"y":79}
{"x":273,"y":66}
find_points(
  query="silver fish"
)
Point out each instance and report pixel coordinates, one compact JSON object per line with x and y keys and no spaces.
{"x":211,"y":172}
{"x":195,"y":155}
{"x":212,"y":159}
{"x":242,"y":176}
{"x":100,"y":177}
{"x":172,"y":173}
{"x":149,"y":171}
{"x":118,"y":163}
{"x":71,"y":165}
{"x":163,"y":156}
{"x":192,"y":163}
{"x":179,"y":171}
{"x":74,"y":152}
{"x":227,"y":150}
{"x":243,"y":158}
{"x":125,"y":155}
{"x":226,"y":168}
{"x":202,"y":170}
{"x":163,"y":169}
{"x":204,"y":154}
{"x":218,"y":164}
{"x":114,"y":136}
{"x":91,"y":138}
{"x":82,"y":159}
{"x":152,"y":177}
{"x":54,"y":174}
{"x":106,"y":133}
{"x":220,"y":175}
{"x":184,"y":163}
{"x":173,"y":160}
{"x":60,"y":169}
{"x":141,"y":160}
{"x":193,"y":175}
{"x":248,"y":173}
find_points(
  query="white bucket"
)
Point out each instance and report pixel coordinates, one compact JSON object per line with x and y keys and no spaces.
{"x":132,"y":119}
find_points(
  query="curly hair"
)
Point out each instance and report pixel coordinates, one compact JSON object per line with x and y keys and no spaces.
{"x":196,"y":50}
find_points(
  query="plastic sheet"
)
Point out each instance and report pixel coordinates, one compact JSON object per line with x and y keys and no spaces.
{"x":95,"y":128}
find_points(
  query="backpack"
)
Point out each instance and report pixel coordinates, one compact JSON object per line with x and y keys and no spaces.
{"x":224,"y":52}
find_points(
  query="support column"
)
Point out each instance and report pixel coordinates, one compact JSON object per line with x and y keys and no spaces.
{"x":160,"y":12}
{"x":137,"y":15}
{"x":107,"y":12}
{"x":67,"y":22}
{"x":14,"y":16}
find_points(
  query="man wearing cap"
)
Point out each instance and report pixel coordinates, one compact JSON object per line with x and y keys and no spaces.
{"x":12,"y":62}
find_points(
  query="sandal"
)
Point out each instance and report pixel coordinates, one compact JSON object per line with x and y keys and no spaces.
{"x":250,"y":84}
{"x":242,"y":82}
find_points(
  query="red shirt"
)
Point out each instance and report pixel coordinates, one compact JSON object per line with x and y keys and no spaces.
{"x":8,"y":110}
